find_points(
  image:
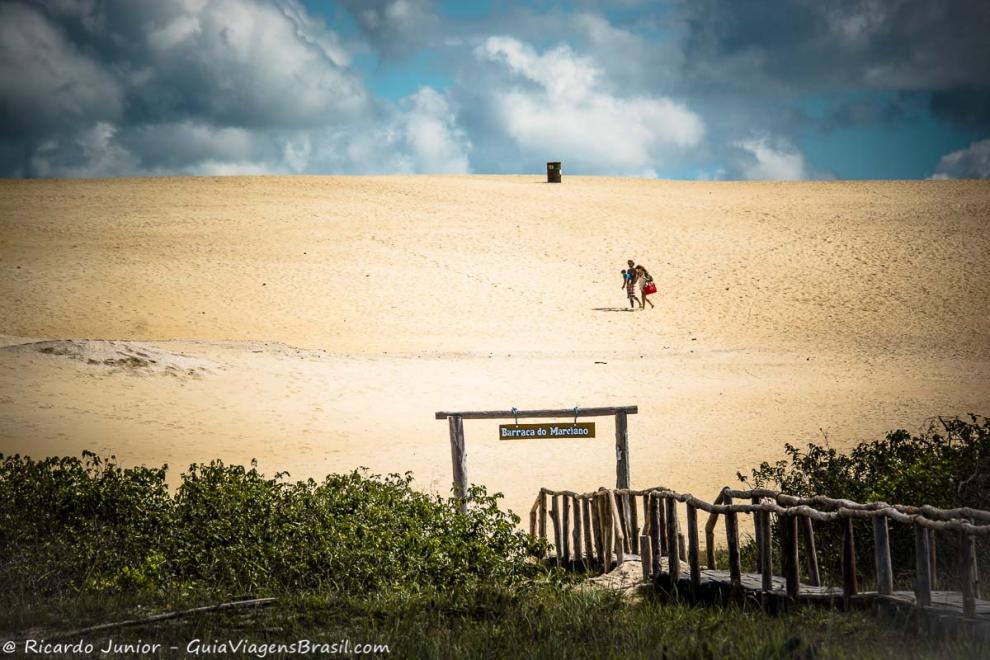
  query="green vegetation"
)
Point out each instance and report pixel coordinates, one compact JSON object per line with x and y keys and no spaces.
{"x":366,"y":558}
{"x":947,"y":466}
{"x":70,"y":526}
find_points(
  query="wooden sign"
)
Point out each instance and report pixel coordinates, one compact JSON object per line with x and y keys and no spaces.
{"x":566,"y":430}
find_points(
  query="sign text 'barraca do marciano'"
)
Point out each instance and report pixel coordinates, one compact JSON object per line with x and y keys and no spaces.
{"x":523,"y":431}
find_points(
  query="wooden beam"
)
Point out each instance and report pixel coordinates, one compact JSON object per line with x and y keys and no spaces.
{"x":732,"y":538}
{"x":766,"y":550}
{"x":565,"y":530}
{"x":577,"y":550}
{"x":608,"y":541}
{"x":849,"y":586}
{"x":922,"y":566}
{"x":881,"y":556}
{"x":645,"y":557}
{"x":634,"y":521}
{"x":621,"y":450}
{"x":693,"y":558}
{"x":542,"y":522}
{"x":555,"y":519}
{"x":968,"y":574}
{"x":789,"y":548}
{"x":656,"y":533}
{"x":531,"y":414}
{"x":673,"y":558}
{"x":458,"y":458}
{"x":588,"y":529}
{"x":757,"y":521}
{"x":608,"y":530}
{"x":810,"y":552}
{"x":620,"y":536}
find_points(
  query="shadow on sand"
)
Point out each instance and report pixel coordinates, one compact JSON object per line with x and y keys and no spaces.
{"x":612,"y":309}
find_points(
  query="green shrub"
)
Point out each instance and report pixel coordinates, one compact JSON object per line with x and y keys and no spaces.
{"x":70,"y":525}
{"x":947,"y":466}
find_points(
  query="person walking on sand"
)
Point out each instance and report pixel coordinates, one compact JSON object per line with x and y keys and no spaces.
{"x":641,"y":279}
{"x":628,"y":281}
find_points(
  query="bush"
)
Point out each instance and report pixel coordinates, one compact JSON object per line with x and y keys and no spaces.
{"x":946,"y":466}
{"x":70,"y":525}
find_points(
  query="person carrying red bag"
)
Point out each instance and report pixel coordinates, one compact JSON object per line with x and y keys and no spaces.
{"x":644,"y":281}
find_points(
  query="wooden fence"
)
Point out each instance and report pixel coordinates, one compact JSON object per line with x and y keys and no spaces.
{"x":598,"y":529}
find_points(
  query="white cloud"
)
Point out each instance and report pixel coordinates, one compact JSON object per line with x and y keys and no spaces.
{"x":563,"y":110}
{"x":770,"y":158}
{"x":420,"y":135}
{"x":435,"y":142}
{"x":972,"y":162}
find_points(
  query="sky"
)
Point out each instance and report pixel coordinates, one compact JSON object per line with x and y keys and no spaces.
{"x":682,"y":89}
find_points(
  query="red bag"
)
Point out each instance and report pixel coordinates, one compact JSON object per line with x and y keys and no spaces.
{"x":649,"y":288}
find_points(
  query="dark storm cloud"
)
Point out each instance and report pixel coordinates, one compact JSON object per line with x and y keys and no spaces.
{"x":46,"y":82}
{"x":966,"y":106}
{"x":896,"y":44}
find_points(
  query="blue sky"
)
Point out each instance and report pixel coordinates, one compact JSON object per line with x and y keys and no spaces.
{"x":710,"y":89}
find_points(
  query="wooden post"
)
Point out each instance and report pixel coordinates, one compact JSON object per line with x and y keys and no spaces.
{"x":693,"y":559}
{"x":634,"y":521}
{"x":645,"y":557}
{"x":458,"y":458}
{"x":620,"y":537}
{"x":621,"y":450}
{"x":555,"y":519}
{"x":757,"y":521}
{"x":543,"y":514}
{"x":664,"y":550}
{"x":577,"y":550}
{"x":588,"y":526}
{"x":710,"y":530}
{"x":608,"y":532}
{"x":849,"y":587}
{"x":808,"y":529}
{"x":968,"y":574}
{"x":595,"y":502}
{"x":933,"y":569}
{"x":732,"y":538}
{"x":881,"y":555}
{"x":766,"y":551}
{"x":656,"y":532}
{"x":790,"y":559}
{"x":627,"y":530}
{"x":673,"y":558}
{"x":922,"y":563}
{"x":646,"y":514}
{"x":681,"y":547}
{"x":565,"y":530}
{"x":532,"y":519}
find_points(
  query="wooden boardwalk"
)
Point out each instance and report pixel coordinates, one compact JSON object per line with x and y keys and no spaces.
{"x":601,"y":530}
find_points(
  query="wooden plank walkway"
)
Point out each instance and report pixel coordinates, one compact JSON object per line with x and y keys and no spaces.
{"x":945,"y":614}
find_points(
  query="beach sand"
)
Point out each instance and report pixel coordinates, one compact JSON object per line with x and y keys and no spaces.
{"x":317,"y":323}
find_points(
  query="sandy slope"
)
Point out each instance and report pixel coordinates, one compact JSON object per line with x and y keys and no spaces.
{"x":338,"y":314}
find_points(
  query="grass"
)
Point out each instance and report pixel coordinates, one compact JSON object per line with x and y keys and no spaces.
{"x":544,"y":622}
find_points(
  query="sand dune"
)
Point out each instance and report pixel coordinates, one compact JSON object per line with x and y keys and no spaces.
{"x":332,"y":317}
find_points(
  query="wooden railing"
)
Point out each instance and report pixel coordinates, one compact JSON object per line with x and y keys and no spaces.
{"x":599,"y":528}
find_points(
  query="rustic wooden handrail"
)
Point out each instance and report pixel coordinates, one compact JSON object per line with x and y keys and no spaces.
{"x":605,"y":526}
{"x":928,"y":511}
